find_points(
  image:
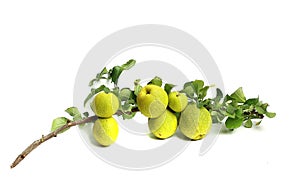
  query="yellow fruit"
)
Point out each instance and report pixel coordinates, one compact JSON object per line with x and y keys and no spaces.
{"x":195,"y":123}
{"x":152,"y":101}
{"x":163,"y":126}
{"x":105,"y":131}
{"x":177,"y":101}
{"x":105,"y":104}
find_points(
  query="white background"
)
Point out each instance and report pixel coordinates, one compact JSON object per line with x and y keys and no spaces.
{"x":255,"y":44}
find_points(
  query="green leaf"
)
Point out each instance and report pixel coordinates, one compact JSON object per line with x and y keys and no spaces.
{"x":92,"y":82}
{"x":137,"y":87}
{"x":168,"y":87}
{"x":188,"y":84}
{"x":233,"y":123}
{"x":260,"y":110}
{"x":230,"y":109}
{"x":231,"y":115}
{"x":103,"y":71}
{"x":156,"y":81}
{"x":199,"y":104}
{"x":215,"y":119}
{"x":77,"y":117}
{"x":129,"y":64}
{"x":270,"y":114}
{"x":238,"y":95}
{"x":248,"y":108}
{"x":220,"y":117}
{"x":126,"y":106}
{"x":198,"y":85}
{"x":131,"y":101}
{"x":58,"y":123}
{"x":227,"y":98}
{"x":264,"y":106}
{"x":219,"y":95}
{"x":74,"y":112}
{"x":99,"y":76}
{"x":125,"y":94}
{"x":252,"y":101}
{"x":239,"y":112}
{"x":106,"y":90}
{"x":115,"y":74}
{"x":116,"y":71}
{"x":248,"y":123}
{"x":188,"y":89}
{"x":214,"y":115}
{"x":203,"y":92}
{"x":86,"y":114}
{"x":94,"y":92}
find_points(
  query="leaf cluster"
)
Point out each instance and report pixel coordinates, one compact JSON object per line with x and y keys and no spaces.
{"x":236,"y":110}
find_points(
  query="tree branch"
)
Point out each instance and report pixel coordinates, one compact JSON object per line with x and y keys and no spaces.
{"x":36,"y":143}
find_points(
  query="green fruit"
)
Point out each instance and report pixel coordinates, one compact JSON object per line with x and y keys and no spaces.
{"x":195,"y":123}
{"x":105,"y":131}
{"x":152,"y":101}
{"x":105,"y":104}
{"x":163,"y":126}
{"x":177,"y":101}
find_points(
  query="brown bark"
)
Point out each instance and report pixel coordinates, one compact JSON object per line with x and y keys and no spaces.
{"x":36,"y":143}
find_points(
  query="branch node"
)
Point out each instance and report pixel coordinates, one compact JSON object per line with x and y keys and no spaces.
{"x":42,"y":139}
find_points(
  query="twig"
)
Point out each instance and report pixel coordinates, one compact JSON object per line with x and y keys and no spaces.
{"x":36,"y":143}
{"x":120,"y":112}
